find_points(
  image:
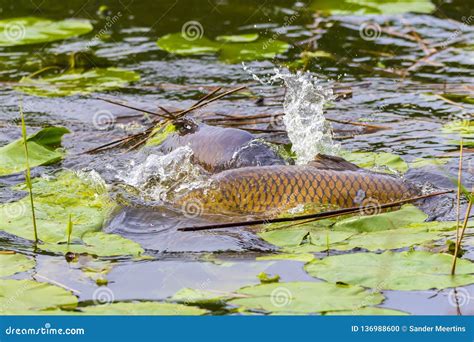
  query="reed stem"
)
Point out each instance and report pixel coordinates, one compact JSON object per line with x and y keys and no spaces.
{"x":28,"y":172}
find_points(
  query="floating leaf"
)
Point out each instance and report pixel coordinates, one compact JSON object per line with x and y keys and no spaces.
{"x":33,"y":30}
{"x":364,"y":7}
{"x":94,"y":268}
{"x":368,"y":311}
{"x":111,"y":244}
{"x":240,"y":38}
{"x":16,"y":296}
{"x":201,"y":297}
{"x":82,"y":197}
{"x":265,"y":278}
{"x":309,"y":237}
{"x":263,"y":49}
{"x":143,"y":308}
{"x":465,"y":128}
{"x":466,"y":143}
{"x":178,"y":44}
{"x":422,"y":162}
{"x":459,"y":98}
{"x":230,"y":51}
{"x":383,"y":161}
{"x":303,"y":257}
{"x":304,"y":297}
{"x":305,"y":55}
{"x":41,"y":151}
{"x":408,"y":214}
{"x":414,"y":270}
{"x":55,"y":199}
{"x":100,"y":244}
{"x":389,"y":239}
{"x":78,"y":81}
{"x":14,"y":263}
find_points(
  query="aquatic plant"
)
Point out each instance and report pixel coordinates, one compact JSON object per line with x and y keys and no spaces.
{"x":28,"y":173}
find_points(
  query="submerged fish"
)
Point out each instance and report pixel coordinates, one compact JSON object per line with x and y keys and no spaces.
{"x":218,"y":148}
{"x":329,"y":181}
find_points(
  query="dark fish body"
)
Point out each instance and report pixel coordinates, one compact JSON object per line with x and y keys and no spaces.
{"x":218,"y":148}
{"x":262,"y":189}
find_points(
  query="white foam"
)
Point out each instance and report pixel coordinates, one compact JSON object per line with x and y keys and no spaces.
{"x":307,"y":128}
{"x":161,"y":176}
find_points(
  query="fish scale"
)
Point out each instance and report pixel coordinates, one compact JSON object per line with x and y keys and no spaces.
{"x":261,"y":189}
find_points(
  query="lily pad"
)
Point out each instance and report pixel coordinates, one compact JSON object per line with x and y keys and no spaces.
{"x":262,"y":49}
{"x":231,"y":49}
{"x":178,"y":44}
{"x":85,"y":199}
{"x":20,"y":295}
{"x":266,"y":278}
{"x":41,"y":151}
{"x":389,"y":239}
{"x":143,"y":308}
{"x":464,"y":128}
{"x":422,"y":162}
{"x":14,"y":263}
{"x":382,"y":162}
{"x":200,"y":297}
{"x":309,"y":237}
{"x":303,"y":257}
{"x":413,"y":270}
{"x":100,"y":244}
{"x":316,"y":54}
{"x":305,"y":297}
{"x":78,"y":81}
{"x":408,"y":214}
{"x":33,"y":30}
{"x":364,"y":7}
{"x":240,"y":38}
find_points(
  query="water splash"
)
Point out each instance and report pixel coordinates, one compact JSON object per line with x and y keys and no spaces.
{"x":160,"y":177}
{"x":308,"y":130}
{"x":304,"y":119}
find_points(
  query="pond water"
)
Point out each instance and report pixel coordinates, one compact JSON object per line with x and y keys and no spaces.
{"x":385,"y":62}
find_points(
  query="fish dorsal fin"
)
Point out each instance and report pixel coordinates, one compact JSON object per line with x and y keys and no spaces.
{"x":325,"y":162}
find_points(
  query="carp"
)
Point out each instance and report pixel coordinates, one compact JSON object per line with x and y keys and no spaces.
{"x":217,"y":148}
{"x":327,"y":182}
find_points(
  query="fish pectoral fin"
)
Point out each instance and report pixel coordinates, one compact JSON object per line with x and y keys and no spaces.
{"x":326,"y":162}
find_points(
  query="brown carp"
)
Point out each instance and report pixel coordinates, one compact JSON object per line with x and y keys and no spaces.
{"x":329,"y":182}
{"x":218,"y":148}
